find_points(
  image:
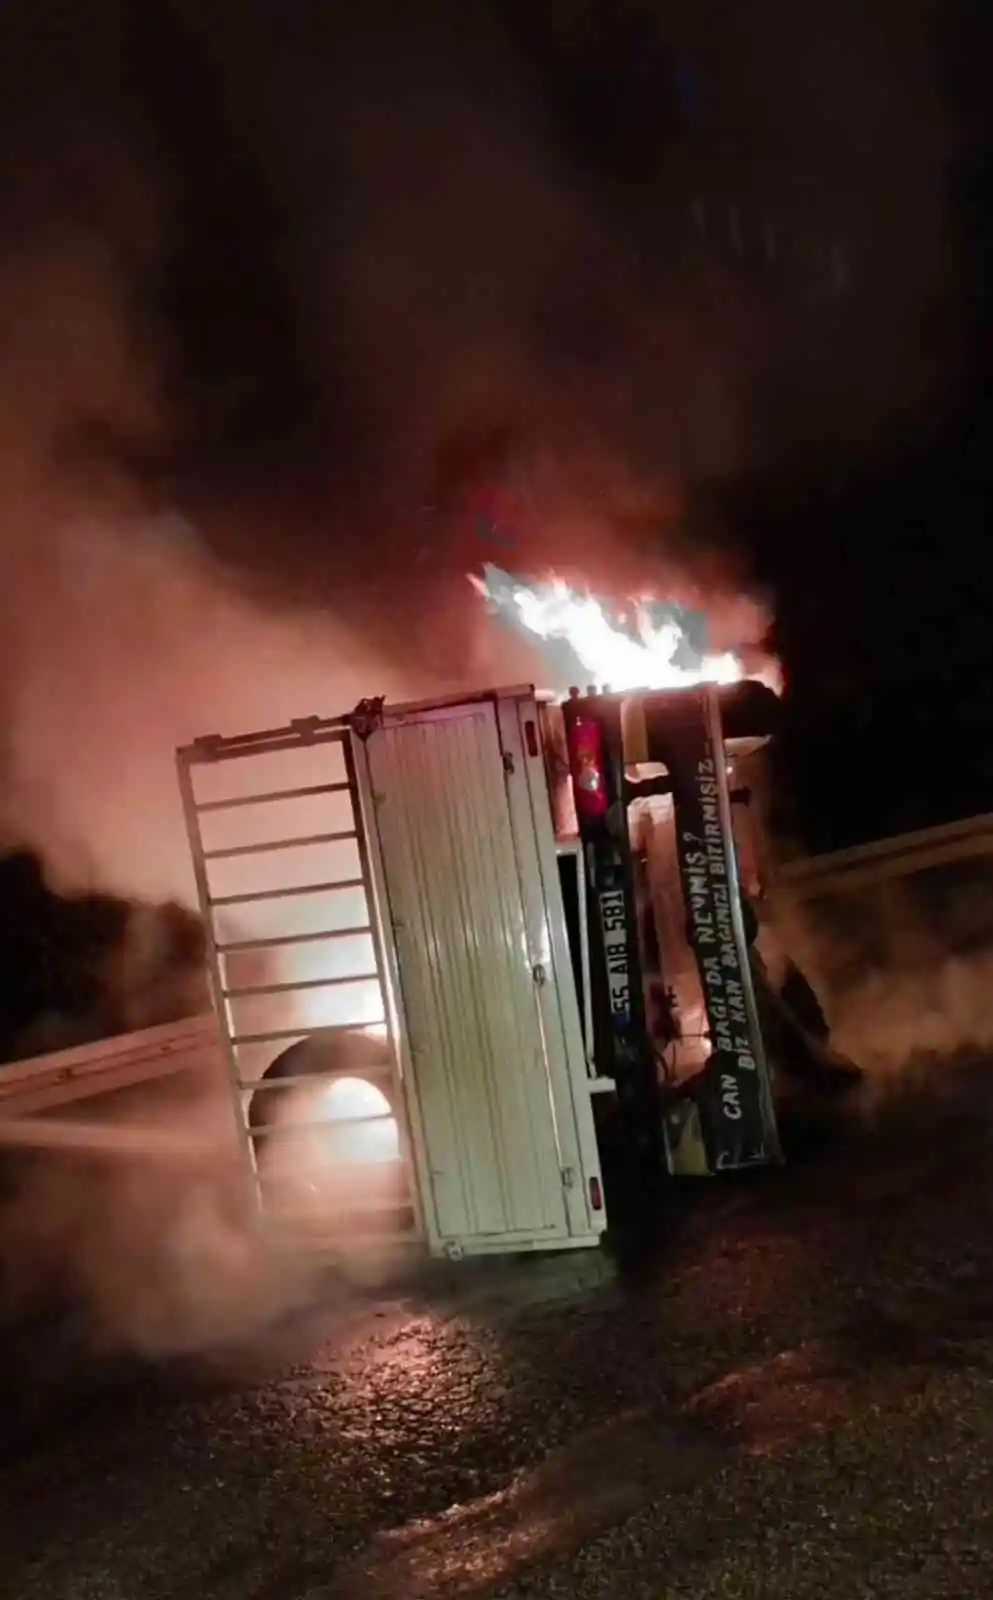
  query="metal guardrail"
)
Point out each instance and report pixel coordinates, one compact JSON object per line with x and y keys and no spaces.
{"x":887,"y":859}
{"x":108,"y":1066}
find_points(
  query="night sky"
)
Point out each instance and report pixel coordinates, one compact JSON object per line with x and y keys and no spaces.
{"x":697,"y":290}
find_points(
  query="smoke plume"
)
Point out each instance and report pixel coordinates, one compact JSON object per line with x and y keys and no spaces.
{"x":304,"y":309}
{"x":904,"y":971}
{"x":125,"y":1245}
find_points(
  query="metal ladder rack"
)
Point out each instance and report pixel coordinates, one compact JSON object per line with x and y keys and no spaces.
{"x":287,"y":882}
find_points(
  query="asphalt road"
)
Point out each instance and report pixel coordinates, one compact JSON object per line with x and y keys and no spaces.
{"x":794,"y":1397}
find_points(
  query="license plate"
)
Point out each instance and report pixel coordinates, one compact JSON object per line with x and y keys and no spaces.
{"x":613,"y":920}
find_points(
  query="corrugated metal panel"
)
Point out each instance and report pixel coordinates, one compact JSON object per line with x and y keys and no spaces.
{"x":480,"y":1072}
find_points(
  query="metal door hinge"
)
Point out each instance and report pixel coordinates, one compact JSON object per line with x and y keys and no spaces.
{"x":539,"y":974}
{"x":508,"y":763}
{"x":367,"y":716}
{"x":568,"y":1177}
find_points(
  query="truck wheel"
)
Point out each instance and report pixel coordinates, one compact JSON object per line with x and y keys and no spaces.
{"x":340,"y":1160}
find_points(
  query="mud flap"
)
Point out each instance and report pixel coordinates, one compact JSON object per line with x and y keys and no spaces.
{"x":685,"y":1147}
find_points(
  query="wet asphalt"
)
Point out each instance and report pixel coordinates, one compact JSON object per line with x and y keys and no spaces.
{"x":791,"y":1396}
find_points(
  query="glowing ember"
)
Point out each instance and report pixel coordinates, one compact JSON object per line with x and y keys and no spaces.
{"x":647,"y":648}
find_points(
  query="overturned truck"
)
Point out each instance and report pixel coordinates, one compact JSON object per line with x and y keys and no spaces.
{"x":486,"y":968}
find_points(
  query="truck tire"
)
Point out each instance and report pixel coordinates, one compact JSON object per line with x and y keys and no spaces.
{"x":345,"y":1054}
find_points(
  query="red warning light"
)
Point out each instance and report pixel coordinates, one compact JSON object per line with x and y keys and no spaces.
{"x":586,"y":753}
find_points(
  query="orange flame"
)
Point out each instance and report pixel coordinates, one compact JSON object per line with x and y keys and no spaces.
{"x":639,"y":651}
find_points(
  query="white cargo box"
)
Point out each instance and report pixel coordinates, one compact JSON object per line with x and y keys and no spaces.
{"x":397,"y":874}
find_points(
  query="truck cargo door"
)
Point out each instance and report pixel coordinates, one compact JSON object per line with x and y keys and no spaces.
{"x":469,"y":981}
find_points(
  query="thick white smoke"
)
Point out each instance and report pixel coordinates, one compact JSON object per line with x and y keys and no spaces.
{"x":120,"y":636}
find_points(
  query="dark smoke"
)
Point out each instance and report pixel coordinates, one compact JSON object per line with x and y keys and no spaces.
{"x":77,"y":968}
{"x":523,"y":224}
{"x":370,"y":295}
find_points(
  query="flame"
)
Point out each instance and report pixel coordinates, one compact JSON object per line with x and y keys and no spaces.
{"x":637,"y":651}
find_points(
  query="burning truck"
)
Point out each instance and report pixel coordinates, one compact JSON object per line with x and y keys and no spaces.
{"x":486,"y":970}
{"x":489,"y":967}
